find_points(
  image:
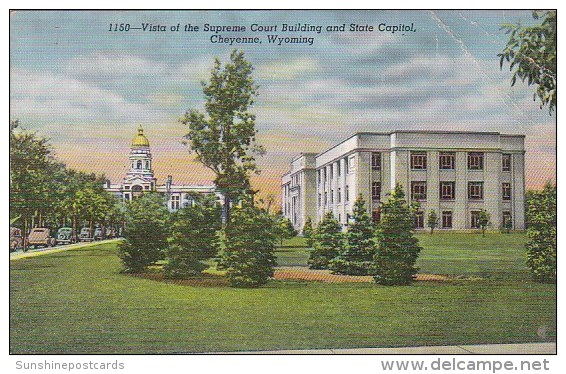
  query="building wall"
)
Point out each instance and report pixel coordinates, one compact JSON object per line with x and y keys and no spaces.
{"x":344,"y":171}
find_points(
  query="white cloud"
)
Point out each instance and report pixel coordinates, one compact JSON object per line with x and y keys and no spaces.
{"x":288,"y":70}
{"x":50,"y":97}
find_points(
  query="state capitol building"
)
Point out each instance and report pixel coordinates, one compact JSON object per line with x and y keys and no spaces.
{"x":140,"y":178}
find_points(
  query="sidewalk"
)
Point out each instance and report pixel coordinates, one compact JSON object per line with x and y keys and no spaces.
{"x":41,"y":251}
{"x":501,"y":349}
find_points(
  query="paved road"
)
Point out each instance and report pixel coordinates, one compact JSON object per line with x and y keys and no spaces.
{"x":503,"y":349}
{"x":60,"y":248}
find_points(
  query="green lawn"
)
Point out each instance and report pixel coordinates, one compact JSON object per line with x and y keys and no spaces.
{"x":496,"y":255}
{"x":78,"y":302}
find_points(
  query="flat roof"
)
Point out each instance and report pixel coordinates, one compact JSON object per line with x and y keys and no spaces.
{"x":416,"y":132}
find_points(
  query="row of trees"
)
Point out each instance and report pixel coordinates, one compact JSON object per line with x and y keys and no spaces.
{"x":190,"y":237}
{"x":45,"y":193}
{"x":387,"y":251}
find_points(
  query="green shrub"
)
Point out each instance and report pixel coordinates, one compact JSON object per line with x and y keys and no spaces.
{"x":147,"y":229}
{"x":397,"y":249}
{"x":308,"y":232}
{"x":284,"y":229}
{"x":327,"y":242}
{"x":249,"y":247}
{"x":541,"y":234}
{"x":193,"y":239}
{"x":356,"y":257}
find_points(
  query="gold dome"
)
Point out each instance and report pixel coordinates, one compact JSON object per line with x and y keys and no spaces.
{"x":140,"y":140}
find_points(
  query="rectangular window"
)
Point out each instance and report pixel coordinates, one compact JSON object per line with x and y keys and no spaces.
{"x":475,"y":220}
{"x":475,"y":190}
{"x":447,"y":190}
{"x":507,"y":220}
{"x":506,"y":162}
{"x":325,"y":198}
{"x":447,"y":160}
{"x":347,"y":194}
{"x":418,"y":190}
{"x":319,"y":198}
{"x":338,"y":168}
{"x":331,"y":168}
{"x":418,"y":160}
{"x":324,"y":175}
{"x":506,"y":190}
{"x":475,"y":161}
{"x":331,"y":196}
{"x":419,"y":220}
{"x":346,"y":167}
{"x":376,"y":191}
{"x":318,"y":176}
{"x":339,"y":195}
{"x":376,"y":161}
{"x":175,"y":202}
{"x":447,"y":219}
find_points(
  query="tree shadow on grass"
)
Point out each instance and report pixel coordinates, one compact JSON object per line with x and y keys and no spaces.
{"x":203,"y":280}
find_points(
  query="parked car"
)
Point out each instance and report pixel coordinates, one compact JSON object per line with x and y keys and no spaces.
{"x":85,"y":235}
{"x":97,"y":233}
{"x":40,"y":236}
{"x":16,"y":240}
{"x":110,"y":233}
{"x":65,"y":236}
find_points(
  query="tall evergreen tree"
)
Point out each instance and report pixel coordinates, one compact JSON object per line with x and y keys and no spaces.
{"x":327,"y":242}
{"x":541,"y":234}
{"x":397,"y":248}
{"x":193,"y":239}
{"x":356,"y":257}
{"x":308,"y":232}
{"x":249,"y":247}
{"x":146,"y":233}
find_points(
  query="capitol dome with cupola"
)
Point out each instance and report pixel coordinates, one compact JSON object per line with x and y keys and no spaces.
{"x":140,"y":179}
{"x":140,"y":140}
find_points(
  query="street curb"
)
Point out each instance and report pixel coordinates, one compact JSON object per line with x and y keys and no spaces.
{"x":40,"y":252}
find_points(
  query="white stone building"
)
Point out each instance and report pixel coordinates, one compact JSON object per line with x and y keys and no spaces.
{"x":456,"y":174}
{"x":140,"y":178}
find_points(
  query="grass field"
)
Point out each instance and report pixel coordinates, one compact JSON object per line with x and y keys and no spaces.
{"x":457,"y":254}
{"x":78,"y":302}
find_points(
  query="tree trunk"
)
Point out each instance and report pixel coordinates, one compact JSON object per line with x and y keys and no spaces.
{"x":226,"y":211}
{"x":75,"y":229}
{"x":24,"y":234}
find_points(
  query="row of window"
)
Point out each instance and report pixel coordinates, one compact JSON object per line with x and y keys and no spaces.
{"x":323,"y":173}
{"x":447,"y":161}
{"x":446,"y":219}
{"x":139,"y":165}
{"x":447,"y":191}
{"x":338,"y":196}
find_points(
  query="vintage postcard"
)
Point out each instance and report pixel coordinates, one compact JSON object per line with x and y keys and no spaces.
{"x":283,"y":181}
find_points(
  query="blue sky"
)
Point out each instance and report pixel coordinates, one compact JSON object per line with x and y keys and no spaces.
{"x":87,"y":89}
